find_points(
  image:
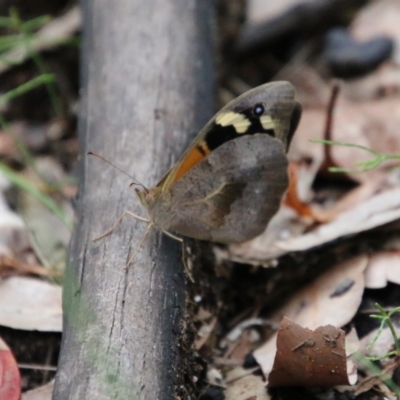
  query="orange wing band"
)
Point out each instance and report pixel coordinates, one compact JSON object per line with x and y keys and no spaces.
{"x":194,"y":157}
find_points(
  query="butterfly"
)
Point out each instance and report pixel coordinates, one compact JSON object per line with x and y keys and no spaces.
{"x":229,"y":182}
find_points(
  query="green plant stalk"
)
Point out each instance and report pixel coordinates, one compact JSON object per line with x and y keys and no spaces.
{"x":8,"y":43}
{"x":345,"y":144}
{"x":26,"y":87}
{"x":15,"y":178}
{"x":387,"y":355}
{"x":31,"y":25}
{"x":5,"y":98}
{"x":367,"y":165}
{"x":382,"y":376}
{"x":26,"y":40}
{"x":387,"y":320}
{"x":50,"y":86}
{"x":35,"y":23}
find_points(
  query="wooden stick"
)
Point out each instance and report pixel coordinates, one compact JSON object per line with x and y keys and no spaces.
{"x":147,"y":85}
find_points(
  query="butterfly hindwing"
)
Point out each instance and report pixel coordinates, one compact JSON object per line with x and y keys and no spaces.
{"x":229,"y":196}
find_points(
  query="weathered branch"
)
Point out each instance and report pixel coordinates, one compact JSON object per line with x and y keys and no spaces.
{"x":147,"y":84}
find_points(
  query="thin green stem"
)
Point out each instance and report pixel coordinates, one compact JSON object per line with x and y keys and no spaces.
{"x":4,"y":99}
{"x":364,"y":165}
{"x":382,"y":376}
{"x":386,"y":318}
{"x":345,"y":144}
{"x":37,"y":59}
{"x":26,"y":87}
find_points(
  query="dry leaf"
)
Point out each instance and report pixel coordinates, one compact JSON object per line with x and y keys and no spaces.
{"x":30,"y":304}
{"x":376,"y":211}
{"x":382,"y":267}
{"x":292,"y":196}
{"x":309,"y":358}
{"x":41,"y":393}
{"x":331,"y":299}
{"x":10,"y":266}
{"x":284,"y":233}
{"x":249,"y":387}
{"x":49,"y":235}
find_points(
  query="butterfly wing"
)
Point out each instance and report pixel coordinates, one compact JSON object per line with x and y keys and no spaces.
{"x":231,"y":195}
{"x":279,"y":118}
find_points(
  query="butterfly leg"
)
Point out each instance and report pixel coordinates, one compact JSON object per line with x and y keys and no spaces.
{"x":187,"y":269}
{"x":119,"y":220}
{"x":172,"y":236}
{"x":149,"y":227}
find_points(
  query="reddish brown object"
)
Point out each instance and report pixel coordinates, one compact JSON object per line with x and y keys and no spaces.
{"x":10,"y":379}
{"x":309,"y":358}
{"x":291,"y":198}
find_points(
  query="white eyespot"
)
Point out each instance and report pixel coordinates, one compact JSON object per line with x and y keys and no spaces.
{"x":258,"y":110}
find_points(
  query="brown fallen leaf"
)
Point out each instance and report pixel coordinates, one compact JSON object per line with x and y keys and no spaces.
{"x":292,"y":198}
{"x":10,"y":266}
{"x":309,"y":358}
{"x":332,"y":299}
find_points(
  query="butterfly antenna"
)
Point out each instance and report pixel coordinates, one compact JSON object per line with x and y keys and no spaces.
{"x":136,"y":182}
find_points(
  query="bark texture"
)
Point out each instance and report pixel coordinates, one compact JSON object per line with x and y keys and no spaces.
{"x":147,"y":87}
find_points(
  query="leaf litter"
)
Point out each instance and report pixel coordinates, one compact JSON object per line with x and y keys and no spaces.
{"x":325,"y":208}
{"x":310,"y":216}
{"x":35,"y":230}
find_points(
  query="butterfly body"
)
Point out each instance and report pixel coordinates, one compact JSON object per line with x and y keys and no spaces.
{"x":229,"y":183}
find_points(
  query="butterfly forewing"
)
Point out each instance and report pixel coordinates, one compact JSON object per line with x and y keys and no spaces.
{"x":238,"y":118}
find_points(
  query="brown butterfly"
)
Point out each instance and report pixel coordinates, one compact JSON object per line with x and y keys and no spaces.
{"x":230,"y":181}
